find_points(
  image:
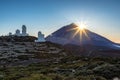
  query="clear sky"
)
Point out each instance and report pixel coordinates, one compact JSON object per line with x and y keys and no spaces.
{"x":101,"y":16}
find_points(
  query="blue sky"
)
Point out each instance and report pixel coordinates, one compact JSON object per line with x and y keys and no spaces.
{"x":101,"y":16}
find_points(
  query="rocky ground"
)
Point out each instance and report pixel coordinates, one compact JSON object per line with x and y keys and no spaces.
{"x":25,"y":53}
{"x":48,"y":61}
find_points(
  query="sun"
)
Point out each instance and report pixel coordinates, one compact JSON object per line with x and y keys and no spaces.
{"x":81,"y":25}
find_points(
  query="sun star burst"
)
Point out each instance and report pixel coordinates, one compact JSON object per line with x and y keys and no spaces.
{"x":80,"y":29}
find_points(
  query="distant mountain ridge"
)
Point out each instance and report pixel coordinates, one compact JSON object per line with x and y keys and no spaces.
{"x":64,"y":36}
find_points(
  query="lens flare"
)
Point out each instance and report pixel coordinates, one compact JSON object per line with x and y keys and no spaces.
{"x":81,"y":25}
{"x":80,"y":29}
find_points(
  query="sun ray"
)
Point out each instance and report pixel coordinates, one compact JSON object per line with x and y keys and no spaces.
{"x":85,"y":34}
{"x":81,"y":34}
{"x":76,"y":32}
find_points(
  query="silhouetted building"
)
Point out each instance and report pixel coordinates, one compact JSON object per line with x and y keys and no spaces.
{"x":17,"y":33}
{"x":24,"y":31}
{"x":10,"y":34}
{"x":40,"y":37}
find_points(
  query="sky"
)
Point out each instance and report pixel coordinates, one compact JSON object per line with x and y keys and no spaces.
{"x":101,"y":16}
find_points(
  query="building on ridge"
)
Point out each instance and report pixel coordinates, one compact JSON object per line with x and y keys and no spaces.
{"x":24,"y":31}
{"x":40,"y":37}
{"x":17,"y":32}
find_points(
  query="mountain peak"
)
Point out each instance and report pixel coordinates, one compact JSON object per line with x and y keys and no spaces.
{"x":73,"y":24}
{"x":78,"y":26}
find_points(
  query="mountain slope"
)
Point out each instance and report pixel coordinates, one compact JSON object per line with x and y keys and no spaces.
{"x":65,"y":36}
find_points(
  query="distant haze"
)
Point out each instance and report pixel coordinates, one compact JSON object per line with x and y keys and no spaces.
{"x":101,"y":16}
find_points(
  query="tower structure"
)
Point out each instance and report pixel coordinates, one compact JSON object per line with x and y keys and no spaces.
{"x":10,"y":34}
{"x":40,"y":37}
{"x":17,"y":33}
{"x":24,"y":30}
